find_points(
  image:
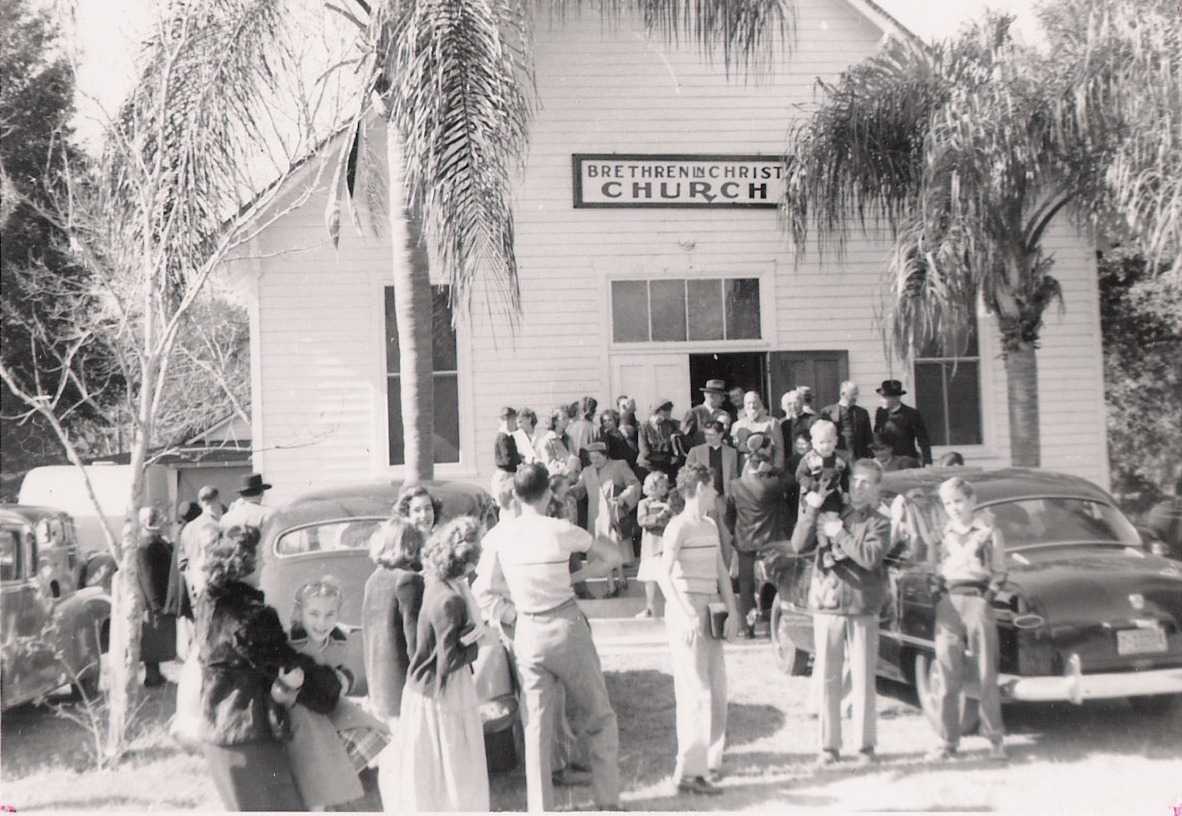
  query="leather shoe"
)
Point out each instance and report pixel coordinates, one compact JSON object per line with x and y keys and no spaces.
{"x":698,"y":785}
{"x":828,"y":758}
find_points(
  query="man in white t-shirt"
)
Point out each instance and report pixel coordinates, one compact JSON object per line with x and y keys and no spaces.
{"x":552,"y":641}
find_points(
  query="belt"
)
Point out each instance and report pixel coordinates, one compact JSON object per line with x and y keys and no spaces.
{"x":570,"y":602}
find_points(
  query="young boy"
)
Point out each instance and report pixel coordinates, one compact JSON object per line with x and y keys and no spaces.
{"x":972,"y":570}
{"x":506,"y":455}
{"x":825,"y":457}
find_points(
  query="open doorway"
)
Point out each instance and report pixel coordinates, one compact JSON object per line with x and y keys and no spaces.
{"x":747,"y":370}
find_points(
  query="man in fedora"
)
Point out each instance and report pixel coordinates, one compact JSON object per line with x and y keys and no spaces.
{"x":694,"y":424}
{"x":248,"y":508}
{"x":904,"y":422}
{"x":852,"y":421}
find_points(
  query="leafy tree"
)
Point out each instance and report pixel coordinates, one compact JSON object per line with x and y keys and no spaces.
{"x":36,"y":103}
{"x":1141,"y":319}
{"x":151,"y":220}
{"x":969,"y":148}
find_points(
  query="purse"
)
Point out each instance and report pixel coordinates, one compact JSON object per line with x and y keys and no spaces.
{"x":716,"y":616}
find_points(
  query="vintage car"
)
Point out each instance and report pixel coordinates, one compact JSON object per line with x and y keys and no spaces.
{"x":327,"y":533}
{"x":54,"y":633}
{"x":1087,"y":610}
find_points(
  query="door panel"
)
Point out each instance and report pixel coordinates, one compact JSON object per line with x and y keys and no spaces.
{"x":647,"y":378}
{"x":823,"y":371}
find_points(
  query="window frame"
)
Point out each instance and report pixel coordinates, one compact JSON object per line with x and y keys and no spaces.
{"x":766,"y":312}
{"x":985,"y":449}
{"x":466,"y":466}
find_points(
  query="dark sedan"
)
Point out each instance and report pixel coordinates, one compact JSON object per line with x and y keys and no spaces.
{"x":1087,"y":610}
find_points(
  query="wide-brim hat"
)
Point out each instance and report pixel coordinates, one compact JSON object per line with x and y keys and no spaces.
{"x":891,"y":388}
{"x":757,"y":442}
{"x":252,"y":484}
{"x":714,"y":387}
{"x":596,"y":447}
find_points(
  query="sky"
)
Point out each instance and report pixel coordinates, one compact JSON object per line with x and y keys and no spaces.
{"x":107,"y":32}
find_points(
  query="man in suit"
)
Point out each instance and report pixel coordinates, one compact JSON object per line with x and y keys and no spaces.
{"x":723,"y":463}
{"x":796,"y":420}
{"x":756,"y":511}
{"x":852,"y":421}
{"x":904,"y":422}
{"x":694,"y":424}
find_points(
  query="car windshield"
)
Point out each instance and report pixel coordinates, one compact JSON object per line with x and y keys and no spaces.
{"x":347,"y":534}
{"x":918,"y":519}
{"x":1029,"y":522}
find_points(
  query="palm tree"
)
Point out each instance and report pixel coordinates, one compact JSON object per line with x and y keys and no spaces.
{"x":453,"y":82}
{"x":968,"y":149}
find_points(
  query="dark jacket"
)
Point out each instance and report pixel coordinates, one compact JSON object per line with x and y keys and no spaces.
{"x":756,"y":510}
{"x":389,"y":622}
{"x":909,"y":431}
{"x":243,"y":647}
{"x":438,"y":653}
{"x":505,"y":454}
{"x":848,"y":575}
{"x":656,"y":447}
{"x":854,"y":433}
{"x":176,"y":601}
{"x":154,"y":559}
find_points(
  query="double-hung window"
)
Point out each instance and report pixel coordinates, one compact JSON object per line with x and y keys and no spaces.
{"x":445,"y":380}
{"x":948,"y":391}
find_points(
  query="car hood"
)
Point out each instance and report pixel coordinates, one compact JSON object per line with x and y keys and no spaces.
{"x":1086,"y":584}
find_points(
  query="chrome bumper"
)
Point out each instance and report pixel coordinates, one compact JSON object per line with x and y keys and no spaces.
{"x":1075,"y":686}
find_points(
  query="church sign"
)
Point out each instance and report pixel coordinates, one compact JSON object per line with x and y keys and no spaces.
{"x":619,"y":180}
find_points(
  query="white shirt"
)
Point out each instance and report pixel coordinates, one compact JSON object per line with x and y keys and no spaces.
{"x":242,"y":512}
{"x":490,"y":587}
{"x":534,"y":555}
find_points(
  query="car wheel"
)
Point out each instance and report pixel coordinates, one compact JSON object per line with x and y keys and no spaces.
{"x":1155,"y":704}
{"x":790,"y":659}
{"x":928,"y":688}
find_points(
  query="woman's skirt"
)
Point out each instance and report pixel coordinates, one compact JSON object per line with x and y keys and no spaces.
{"x":442,"y":763}
{"x":323,"y":770}
{"x":255,"y":776}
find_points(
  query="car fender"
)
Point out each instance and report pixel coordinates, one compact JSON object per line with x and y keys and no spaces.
{"x":79,"y":621}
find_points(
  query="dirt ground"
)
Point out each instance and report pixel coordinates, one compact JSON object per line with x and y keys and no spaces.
{"x":1097,"y":758}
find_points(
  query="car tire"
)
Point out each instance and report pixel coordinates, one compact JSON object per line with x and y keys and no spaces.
{"x":927,"y":686}
{"x":789,"y":658}
{"x":1156,"y":704}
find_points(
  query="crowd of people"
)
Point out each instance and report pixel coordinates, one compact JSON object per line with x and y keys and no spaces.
{"x":581,"y":495}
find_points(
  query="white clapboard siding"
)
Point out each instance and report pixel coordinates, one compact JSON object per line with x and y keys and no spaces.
{"x":317,"y":325}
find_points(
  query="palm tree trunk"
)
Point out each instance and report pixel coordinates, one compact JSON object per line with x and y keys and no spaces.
{"x":412,"y":306}
{"x":1022,"y":389}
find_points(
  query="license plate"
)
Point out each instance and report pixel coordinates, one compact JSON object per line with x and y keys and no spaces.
{"x":1141,"y":641}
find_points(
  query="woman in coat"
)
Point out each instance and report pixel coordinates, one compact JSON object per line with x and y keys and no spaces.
{"x":443,"y":764}
{"x":249,"y":672}
{"x":389,"y":621}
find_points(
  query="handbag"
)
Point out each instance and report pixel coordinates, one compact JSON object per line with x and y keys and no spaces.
{"x":716,"y":615}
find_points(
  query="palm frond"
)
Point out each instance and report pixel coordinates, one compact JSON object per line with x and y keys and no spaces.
{"x":460,"y":96}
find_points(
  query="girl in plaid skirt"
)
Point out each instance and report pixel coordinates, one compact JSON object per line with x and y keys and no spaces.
{"x":328,"y":752}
